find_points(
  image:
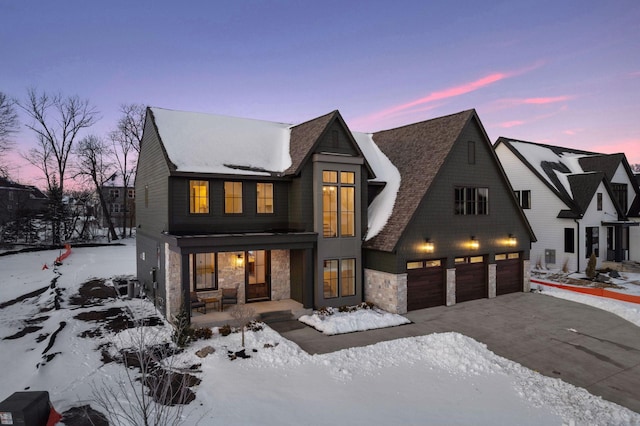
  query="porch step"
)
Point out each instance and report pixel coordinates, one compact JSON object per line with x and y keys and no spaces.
{"x":276,"y":316}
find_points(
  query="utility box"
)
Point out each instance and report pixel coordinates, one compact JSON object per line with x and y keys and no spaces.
{"x":25,"y":409}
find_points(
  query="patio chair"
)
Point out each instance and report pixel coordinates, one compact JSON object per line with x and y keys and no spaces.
{"x":197,"y":304}
{"x":229,"y":297}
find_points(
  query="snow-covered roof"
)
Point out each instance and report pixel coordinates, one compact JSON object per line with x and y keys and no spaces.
{"x":221,"y":144}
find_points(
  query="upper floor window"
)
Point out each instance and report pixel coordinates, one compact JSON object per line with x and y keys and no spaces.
{"x":338,"y":195}
{"x":620,"y":193}
{"x":264,"y":195}
{"x":131,"y":193}
{"x":232,"y":197}
{"x":471,"y":201}
{"x":599,"y":201}
{"x":199,"y":196}
{"x":114,"y":193}
{"x":524,"y":198}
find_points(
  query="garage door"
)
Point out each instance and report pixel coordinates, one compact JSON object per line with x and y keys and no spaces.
{"x":508,"y":273}
{"x":471,"y":278}
{"x":425,"y":284}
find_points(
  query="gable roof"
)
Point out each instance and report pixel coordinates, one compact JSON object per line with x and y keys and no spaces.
{"x":573,"y":175}
{"x":304,"y":137}
{"x":418,"y":151}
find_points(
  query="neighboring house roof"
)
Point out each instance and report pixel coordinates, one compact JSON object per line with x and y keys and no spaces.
{"x":418,"y":151}
{"x":573,"y":175}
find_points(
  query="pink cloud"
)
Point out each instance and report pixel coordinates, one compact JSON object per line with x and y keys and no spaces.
{"x":547,"y":100}
{"x":513,"y":123}
{"x":572,"y":132}
{"x":630,"y":147}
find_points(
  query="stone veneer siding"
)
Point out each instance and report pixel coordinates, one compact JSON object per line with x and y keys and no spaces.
{"x":280,"y":275}
{"x":526,"y":276}
{"x":492,"y":280}
{"x":451,"y":287}
{"x":385,"y":290}
{"x":173,"y":280}
{"x":230,"y":273}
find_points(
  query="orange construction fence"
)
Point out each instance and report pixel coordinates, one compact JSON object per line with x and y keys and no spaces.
{"x":593,"y":291}
{"x":64,"y":255}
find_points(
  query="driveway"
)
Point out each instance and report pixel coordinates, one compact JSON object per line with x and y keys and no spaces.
{"x":579,"y":344}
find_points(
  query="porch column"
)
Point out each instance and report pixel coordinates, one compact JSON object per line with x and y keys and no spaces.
{"x":308,"y":279}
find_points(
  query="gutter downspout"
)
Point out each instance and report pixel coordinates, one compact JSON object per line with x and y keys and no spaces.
{"x":577,"y":245}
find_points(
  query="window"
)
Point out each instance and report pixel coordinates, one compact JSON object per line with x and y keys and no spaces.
{"x":348,"y":277}
{"x":115,"y":208}
{"x":233,"y":197}
{"x":599,"y":201}
{"x":11,"y":196}
{"x":550,"y":256}
{"x":131,"y":193}
{"x":114,"y":193}
{"x":264,"y":195}
{"x":569,"y":240}
{"x":345,"y":204}
{"x":471,"y":152}
{"x":344,"y":283}
{"x":471,"y":201}
{"x":415,"y":265}
{"x":198,"y":196}
{"x":620,"y":194}
{"x":592,"y":241}
{"x":524,"y":198}
{"x":203,"y":271}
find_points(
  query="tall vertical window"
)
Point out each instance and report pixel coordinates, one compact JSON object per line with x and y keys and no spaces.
{"x":348,"y":277}
{"x":131,"y":193}
{"x":620,"y":193}
{"x":471,"y":201}
{"x":264,"y":195}
{"x":599,"y":201}
{"x":592,"y":241}
{"x":344,"y":203}
{"x":569,"y":240}
{"x":330,"y":278}
{"x":233,"y":197}
{"x":203,"y":268}
{"x":199,"y":196}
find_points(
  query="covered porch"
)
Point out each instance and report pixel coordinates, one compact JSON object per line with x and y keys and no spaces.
{"x":272,"y":310}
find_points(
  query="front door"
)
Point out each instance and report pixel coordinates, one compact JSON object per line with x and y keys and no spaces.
{"x":258,"y":275}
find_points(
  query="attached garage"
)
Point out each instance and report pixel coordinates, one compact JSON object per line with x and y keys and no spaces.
{"x":425,"y":284}
{"x":508,"y":273}
{"x":471,"y":278}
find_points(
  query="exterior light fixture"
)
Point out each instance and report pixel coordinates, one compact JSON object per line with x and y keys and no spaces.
{"x":512,"y":241}
{"x":239,"y":261}
{"x":428,"y":246}
{"x":473,"y":243}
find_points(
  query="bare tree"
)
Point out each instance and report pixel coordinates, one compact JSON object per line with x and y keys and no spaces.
{"x":57,"y":122}
{"x":8,"y":126}
{"x":93,"y":164}
{"x":242,"y":314}
{"x":125,"y":142}
{"x":154,"y":397}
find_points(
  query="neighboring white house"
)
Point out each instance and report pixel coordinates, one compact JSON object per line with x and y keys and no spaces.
{"x":577,"y":203}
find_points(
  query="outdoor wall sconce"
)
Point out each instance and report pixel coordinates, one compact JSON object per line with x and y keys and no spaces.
{"x":239,"y":261}
{"x":473,"y":243}
{"x":512,"y":241}
{"x":428,"y":246}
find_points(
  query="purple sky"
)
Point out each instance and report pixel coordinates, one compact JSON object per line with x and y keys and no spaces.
{"x":559,"y":72}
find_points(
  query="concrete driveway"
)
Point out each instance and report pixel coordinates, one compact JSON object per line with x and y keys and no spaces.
{"x":579,"y":344}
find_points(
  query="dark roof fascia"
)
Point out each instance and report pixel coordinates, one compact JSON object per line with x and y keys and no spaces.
{"x":563,"y":197}
{"x":172,"y":167}
{"x":243,"y":241}
{"x":231,"y":176}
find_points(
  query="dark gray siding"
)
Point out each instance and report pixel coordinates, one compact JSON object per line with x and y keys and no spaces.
{"x":380,"y":261}
{"x":435,"y":218}
{"x":301,"y":200}
{"x":216,"y":221}
{"x":337,"y":140}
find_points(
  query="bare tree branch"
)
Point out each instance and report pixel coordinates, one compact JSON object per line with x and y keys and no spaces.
{"x":8,"y":126}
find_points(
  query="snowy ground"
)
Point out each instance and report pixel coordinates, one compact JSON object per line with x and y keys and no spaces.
{"x":436,"y":379}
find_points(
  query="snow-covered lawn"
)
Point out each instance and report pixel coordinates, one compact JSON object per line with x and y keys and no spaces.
{"x":436,"y":379}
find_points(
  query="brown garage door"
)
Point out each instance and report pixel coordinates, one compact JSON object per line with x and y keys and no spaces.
{"x":471,"y":278}
{"x":508,"y":273}
{"x":425,"y":284}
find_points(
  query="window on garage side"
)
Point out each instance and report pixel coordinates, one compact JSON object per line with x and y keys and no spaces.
{"x":471,"y":201}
